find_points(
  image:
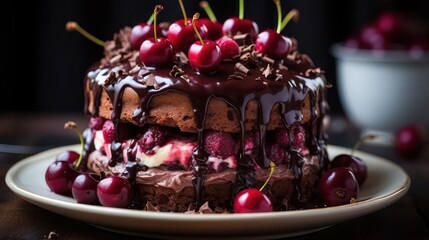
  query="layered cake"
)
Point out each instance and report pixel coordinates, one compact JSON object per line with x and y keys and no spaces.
{"x":186,"y":138}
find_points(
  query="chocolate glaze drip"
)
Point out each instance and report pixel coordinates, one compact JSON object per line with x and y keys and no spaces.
{"x":290,"y":92}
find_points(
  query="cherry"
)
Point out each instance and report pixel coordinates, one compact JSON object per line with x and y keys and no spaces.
{"x":236,"y":25}
{"x":371,"y":38}
{"x":272,"y":43}
{"x":281,"y":137}
{"x":214,"y":27}
{"x":143,"y":31}
{"x":154,"y":136}
{"x":409,"y":141}
{"x":68,"y":156}
{"x":229,"y":48}
{"x":96,"y":123}
{"x":60,"y":174}
{"x":59,"y":177}
{"x":156,"y":52}
{"x":181,"y":33}
{"x":353,"y":42}
{"x":252,"y":200}
{"x":114,"y":191}
{"x":417,"y":47}
{"x":108,"y":131}
{"x":338,"y":186}
{"x":353,"y":163}
{"x":84,"y":188}
{"x":204,"y":56}
{"x":398,"y":26}
{"x":219,"y":144}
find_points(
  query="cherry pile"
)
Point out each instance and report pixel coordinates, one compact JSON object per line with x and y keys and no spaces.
{"x":63,"y":178}
{"x":68,"y":176}
{"x":392,"y":30}
{"x":340,"y":184}
{"x":206,"y":42}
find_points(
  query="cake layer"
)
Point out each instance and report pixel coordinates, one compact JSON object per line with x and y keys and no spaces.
{"x":173,"y":191}
{"x":174,"y":109}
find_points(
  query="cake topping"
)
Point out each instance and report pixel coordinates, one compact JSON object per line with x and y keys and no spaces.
{"x":214,"y":27}
{"x":156,"y":51}
{"x":143,"y":31}
{"x":270,"y":42}
{"x":181,"y":33}
{"x":204,"y":55}
{"x":234,"y":25}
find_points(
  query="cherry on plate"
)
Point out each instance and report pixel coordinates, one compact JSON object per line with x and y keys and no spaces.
{"x":114,"y":191}
{"x":59,"y":177}
{"x":252,"y":200}
{"x":338,"y":186}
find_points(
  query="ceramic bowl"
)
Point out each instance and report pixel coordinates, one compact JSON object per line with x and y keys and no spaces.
{"x":380,"y":91}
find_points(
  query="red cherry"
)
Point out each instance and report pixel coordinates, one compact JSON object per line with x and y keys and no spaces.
{"x":371,"y":38}
{"x":399,"y":27}
{"x":96,"y":123}
{"x":141,"y":32}
{"x":354,"y":164}
{"x":273,"y":44}
{"x":183,"y":36}
{"x":353,"y":42}
{"x":228,"y":48}
{"x":235,"y":25}
{"x":252,"y":200}
{"x":156,"y":53}
{"x":214,"y":29}
{"x":84,"y":188}
{"x":418,"y":47}
{"x":205,"y":57}
{"x":213,"y":26}
{"x":59,"y":177}
{"x":409,"y":141}
{"x":114,"y":191}
{"x":338,"y":186}
{"x":68,"y":156}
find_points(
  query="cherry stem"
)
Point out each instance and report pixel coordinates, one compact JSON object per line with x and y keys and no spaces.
{"x":272,"y":166}
{"x":292,"y":14}
{"x":362,"y":140}
{"x":194,"y":18}
{"x":241,"y":9}
{"x":72,"y":125}
{"x":185,"y":18}
{"x":150,"y":20}
{"x":279,"y":15}
{"x":206,"y":6}
{"x":158,"y":8}
{"x":73,"y":26}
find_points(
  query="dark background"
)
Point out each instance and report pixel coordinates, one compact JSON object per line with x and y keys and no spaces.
{"x":43,"y":65}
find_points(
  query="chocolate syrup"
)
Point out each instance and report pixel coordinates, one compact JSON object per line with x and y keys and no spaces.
{"x":290,"y":91}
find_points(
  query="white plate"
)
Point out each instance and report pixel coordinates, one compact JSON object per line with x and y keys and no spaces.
{"x":385,"y":184}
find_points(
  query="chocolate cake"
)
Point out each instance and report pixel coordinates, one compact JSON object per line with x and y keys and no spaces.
{"x":187,"y":139}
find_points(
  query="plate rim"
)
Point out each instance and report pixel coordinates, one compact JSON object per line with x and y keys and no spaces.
{"x":360,"y":208}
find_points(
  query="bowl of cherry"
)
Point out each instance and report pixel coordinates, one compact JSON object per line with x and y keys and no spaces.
{"x":382,"y":75}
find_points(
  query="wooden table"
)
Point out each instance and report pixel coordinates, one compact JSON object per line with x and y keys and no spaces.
{"x":408,"y":218}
